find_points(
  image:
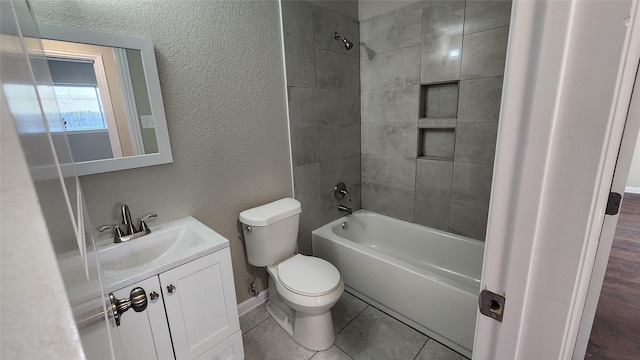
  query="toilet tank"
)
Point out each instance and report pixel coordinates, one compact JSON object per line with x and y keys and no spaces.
{"x":271,"y":231}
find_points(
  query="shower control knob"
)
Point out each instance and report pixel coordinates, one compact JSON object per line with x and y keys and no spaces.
{"x":154,"y":295}
{"x":171,"y":288}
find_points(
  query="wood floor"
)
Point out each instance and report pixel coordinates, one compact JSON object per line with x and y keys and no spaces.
{"x":616,"y":328}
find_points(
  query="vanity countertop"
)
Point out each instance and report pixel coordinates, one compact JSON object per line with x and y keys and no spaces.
{"x":168,"y":246}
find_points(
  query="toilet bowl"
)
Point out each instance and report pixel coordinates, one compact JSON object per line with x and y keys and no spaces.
{"x":302,"y":289}
{"x":306,"y":288}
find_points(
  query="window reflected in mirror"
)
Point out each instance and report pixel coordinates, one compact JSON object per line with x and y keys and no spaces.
{"x":102,"y":96}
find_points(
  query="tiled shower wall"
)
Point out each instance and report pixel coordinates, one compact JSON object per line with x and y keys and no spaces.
{"x":323,"y":86}
{"x":431,"y":82}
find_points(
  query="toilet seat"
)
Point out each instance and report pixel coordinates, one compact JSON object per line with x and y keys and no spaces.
{"x":308,"y":275}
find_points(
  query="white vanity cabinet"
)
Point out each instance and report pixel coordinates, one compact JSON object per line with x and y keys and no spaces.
{"x":201,"y":313}
{"x":145,"y":334}
{"x":201,"y":307}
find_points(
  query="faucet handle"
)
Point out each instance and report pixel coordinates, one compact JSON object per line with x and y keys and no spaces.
{"x":117,"y":231}
{"x":340,"y":190}
{"x":143,"y":225}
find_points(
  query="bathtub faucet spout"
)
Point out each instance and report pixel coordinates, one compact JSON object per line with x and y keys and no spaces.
{"x":345,"y":209}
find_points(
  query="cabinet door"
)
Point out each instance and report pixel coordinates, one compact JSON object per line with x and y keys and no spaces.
{"x":229,"y":349}
{"x":201,"y":304}
{"x":145,"y":334}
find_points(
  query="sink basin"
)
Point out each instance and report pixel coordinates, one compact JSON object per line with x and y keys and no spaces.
{"x":167,"y":246}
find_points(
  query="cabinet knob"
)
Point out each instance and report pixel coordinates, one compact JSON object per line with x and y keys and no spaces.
{"x":171,"y":289}
{"x":154,"y":295}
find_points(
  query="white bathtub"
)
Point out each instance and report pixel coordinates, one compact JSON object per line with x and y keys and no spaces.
{"x":426,"y":278}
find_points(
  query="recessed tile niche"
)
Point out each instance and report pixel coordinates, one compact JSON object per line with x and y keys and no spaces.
{"x":438,"y":118}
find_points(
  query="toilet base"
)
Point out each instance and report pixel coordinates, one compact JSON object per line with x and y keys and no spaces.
{"x":313,"y":331}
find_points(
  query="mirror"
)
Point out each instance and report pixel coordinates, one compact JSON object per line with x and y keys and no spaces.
{"x":108,"y":94}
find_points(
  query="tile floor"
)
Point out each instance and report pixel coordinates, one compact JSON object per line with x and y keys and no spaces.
{"x":362,"y":333}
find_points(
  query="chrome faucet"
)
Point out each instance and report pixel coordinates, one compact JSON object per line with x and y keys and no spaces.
{"x":345,"y":209}
{"x":130,"y":231}
{"x":126,"y":220}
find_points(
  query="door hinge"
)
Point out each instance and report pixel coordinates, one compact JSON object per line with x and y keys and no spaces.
{"x":613,"y":205}
{"x":491,"y":304}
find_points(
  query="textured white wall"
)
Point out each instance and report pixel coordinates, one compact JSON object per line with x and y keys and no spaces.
{"x":222,"y":79}
{"x":634,"y":173}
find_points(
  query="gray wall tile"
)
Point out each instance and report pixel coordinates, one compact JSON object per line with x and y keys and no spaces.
{"x":484,"y":15}
{"x":304,"y":244}
{"x":438,"y":143}
{"x":338,"y":106}
{"x":442,"y":100}
{"x":480,"y":100}
{"x":476,"y":143}
{"x":400,"y":139}
{"x":468,"y":219}
{"x":303,"y":124}
{"x":390,"y":69}
{"x":298,"y":43}
{"x":343,"y":169}
{"x":471,"y":182}
{"x":337,"y":71}
{"x":442,"y":27}
{"x":395,"y":171}
{"x":399,"y":104}
{"x":330,"y":204}
{"x":326,"y":22}
{"x":393,"y":30}
{"x":306,"y":181}
{"x":339,"y":140}
{"x":484,"y":53}
{"x":433,"y":193}
{"x":386,"y":200}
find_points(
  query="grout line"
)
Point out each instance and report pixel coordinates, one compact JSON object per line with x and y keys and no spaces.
{"x":395,"y":86}
{"x":355,"y":317}
{"x":346,"y":353}
{"x":482,"y":77}
{"x":338,"y":52}
{"x":301,"y":87}
{"x":258,"y":324}
{"x":390,"y":50}
{"x":423,"y":345}
{"x":484,"y":30}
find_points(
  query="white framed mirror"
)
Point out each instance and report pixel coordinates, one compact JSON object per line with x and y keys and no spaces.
{"x":108,"y":94}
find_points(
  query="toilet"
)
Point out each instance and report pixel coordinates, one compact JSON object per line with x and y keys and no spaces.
{"x":302,"y":289}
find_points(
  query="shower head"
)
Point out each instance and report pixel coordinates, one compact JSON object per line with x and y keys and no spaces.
{"x":347,"y":44}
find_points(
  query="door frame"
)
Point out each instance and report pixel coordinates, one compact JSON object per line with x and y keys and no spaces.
{"x":569,"y":76}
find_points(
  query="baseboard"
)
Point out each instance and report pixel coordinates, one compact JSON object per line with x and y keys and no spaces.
{"x":247,"y":305}
{"x":631,"y":189}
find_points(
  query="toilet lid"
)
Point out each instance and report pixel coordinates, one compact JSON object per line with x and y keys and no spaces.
{"x":308,"y":275}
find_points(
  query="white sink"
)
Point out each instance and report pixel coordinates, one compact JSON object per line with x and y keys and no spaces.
{"x":169,"y":245}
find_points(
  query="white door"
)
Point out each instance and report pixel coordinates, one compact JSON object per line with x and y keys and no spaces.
{"x":145,"y":334}
{"x":620,"y":176}
{"x":201,"y":304}
{"x":569,"y":76}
